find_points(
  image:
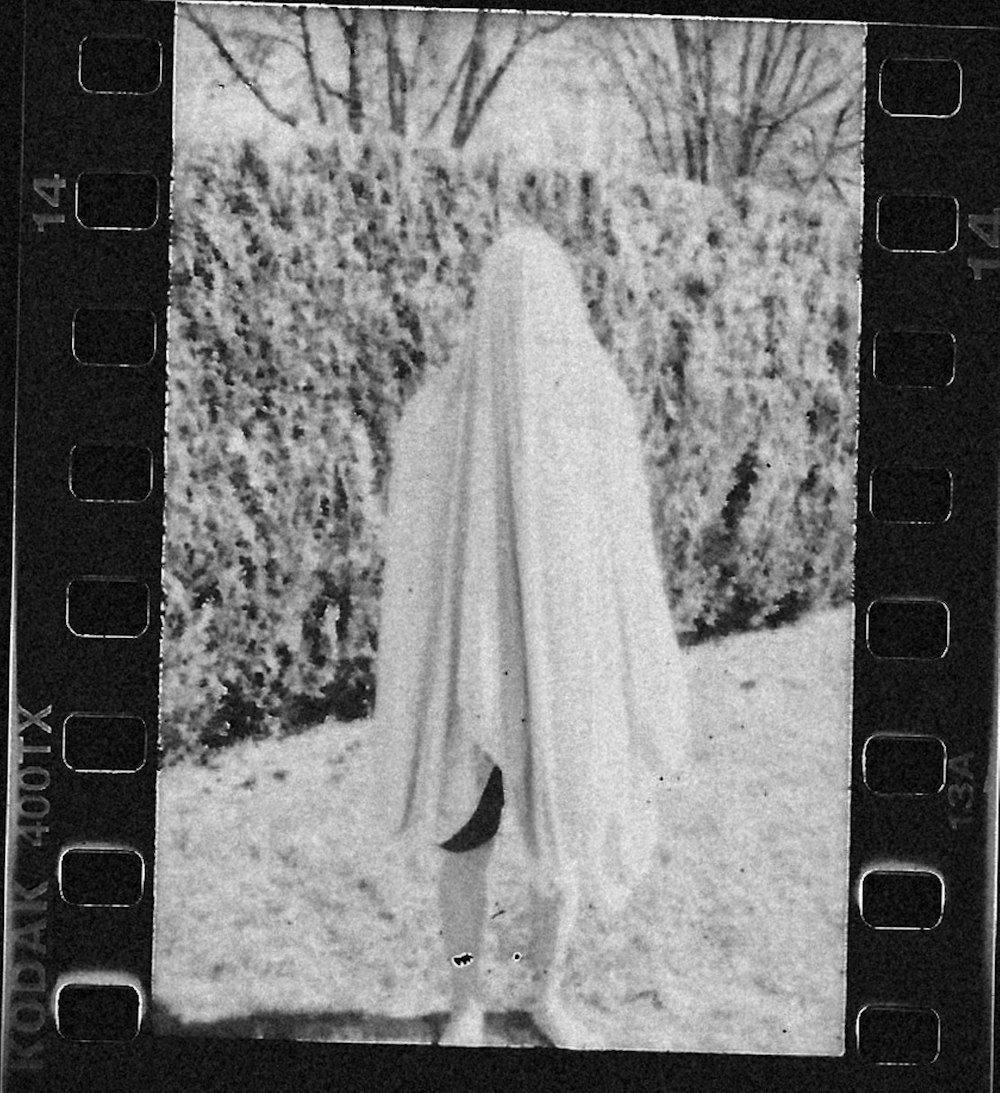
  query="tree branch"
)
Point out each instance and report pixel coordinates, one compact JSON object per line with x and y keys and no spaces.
{"x":832,"y":149}
{"x":449,"y":91}
{"x":804,"y":104}
{"x":353,"y":99}
{"x":687,"y":99}
{"x":476,"y":53}
{"x":490,"y":85}
{"x":395,"y":75}
{"x":707,"y":120}
{"x":786,"y":37}
{"x":741,"y":93}
{"x":328,"y":87}
{"x":211,"y":32}
{"x":800,"y":55}
{"x":418,"y":50}
{"x":663,"y":158}
{"x":659,"y":63}
{"x":523,"y":37}
{"x":547,"y":28}
{"x":307,"y":53}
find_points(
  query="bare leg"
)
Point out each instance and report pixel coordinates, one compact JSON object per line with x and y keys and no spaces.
{"x":463,"y":904}
{"x":556,"y":918}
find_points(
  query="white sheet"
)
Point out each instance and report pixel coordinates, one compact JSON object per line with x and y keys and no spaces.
{"x":523,"y":617}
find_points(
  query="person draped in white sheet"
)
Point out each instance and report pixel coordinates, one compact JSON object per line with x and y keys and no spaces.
{"x":527,"y":659}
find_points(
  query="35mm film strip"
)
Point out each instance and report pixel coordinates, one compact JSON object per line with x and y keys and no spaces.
{"x":98,"y":732}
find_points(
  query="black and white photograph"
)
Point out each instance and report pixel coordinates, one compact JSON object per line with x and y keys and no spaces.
{"x":508,"y":554}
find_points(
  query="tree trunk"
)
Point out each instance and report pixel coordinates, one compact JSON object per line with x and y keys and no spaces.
{"x":310,"y":60}
{"x":688,"y":103}
{"x":355,"y":94}
{"x":464,"y":119}
{"x":396,"y":85}
{"x":472,"y":102}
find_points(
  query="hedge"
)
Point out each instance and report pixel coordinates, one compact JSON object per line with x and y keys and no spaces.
{"x":309,"y":299}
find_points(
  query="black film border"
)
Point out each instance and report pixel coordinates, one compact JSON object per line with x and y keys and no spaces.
{"x":951,"y":833}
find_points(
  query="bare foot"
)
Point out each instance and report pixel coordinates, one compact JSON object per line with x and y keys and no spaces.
{"x":564,"y":1027}
{"x":465,"y":1028}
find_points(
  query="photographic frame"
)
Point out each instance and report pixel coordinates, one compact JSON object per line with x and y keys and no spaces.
{"x":896,"y":692}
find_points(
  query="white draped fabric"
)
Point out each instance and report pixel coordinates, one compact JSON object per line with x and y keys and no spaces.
{"x":523,"y":617}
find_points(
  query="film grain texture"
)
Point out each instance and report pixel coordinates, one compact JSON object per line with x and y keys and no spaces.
{"x":488,"y":572}
{"x":332,"y":216}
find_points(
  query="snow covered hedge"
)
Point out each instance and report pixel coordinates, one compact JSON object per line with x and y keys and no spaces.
{"x":310,"y":297}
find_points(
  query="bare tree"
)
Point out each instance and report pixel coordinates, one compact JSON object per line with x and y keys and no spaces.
{"x":473,"y":70}
{"x":781,"y":83}
{"x":387,"y":66}
{"x":261,"y":46}
{"x":353,"y":97}
{"x":720,"y":101}
{"x":828,"y":153}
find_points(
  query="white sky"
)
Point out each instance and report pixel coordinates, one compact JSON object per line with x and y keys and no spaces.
{"x":551,"y":107}
{"x":574,"y":118}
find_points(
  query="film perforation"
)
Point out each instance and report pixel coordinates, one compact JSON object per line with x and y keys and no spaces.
{"x":108,"y":608}
{"x":899,"y":1035}
{"x":107,"y":474}
{"x":914,"y":358}
{"x":94,"y":226}
{"x":104,"y":743}
{"x":123,"y":201}
{"x":919,"y":814}
{"x":900,"y":493}
{"x":92,"y":1013}
{"x":111,"y":65}
{"x":898,"y":763}
{"x":924,"y":87}
{"x":910,"y":899}
{"x":924,"y":223}
{"x":123,"y":337}
{"x":908,"y":629}
{"x":101,"y":876}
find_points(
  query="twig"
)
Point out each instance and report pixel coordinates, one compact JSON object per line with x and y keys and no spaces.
{"x":211,"y":32}
{"x":418,"y":52}
{"x":340,"y":96}
{"x":449,"y":91}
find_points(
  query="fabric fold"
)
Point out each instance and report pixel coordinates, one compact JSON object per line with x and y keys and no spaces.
{"x":523,"y":614}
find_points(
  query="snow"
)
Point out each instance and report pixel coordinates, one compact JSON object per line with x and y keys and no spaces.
{"x":272,"y":899}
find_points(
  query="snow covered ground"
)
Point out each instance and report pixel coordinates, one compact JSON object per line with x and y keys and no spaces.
{"x":272,"y":899}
